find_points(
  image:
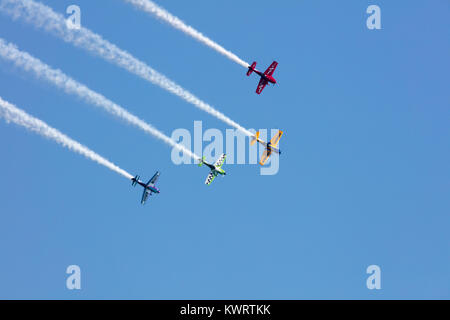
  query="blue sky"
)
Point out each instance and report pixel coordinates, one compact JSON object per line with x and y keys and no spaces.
{"x":363,"y":179}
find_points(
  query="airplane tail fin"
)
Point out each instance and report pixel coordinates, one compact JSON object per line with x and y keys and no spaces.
{"x":134,"y":181}
{"x":201,"y":161}
{"x":251,"y":69}
{"x":255,"y":138}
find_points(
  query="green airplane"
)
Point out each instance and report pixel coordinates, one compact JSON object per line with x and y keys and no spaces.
{"x":216,"y":168}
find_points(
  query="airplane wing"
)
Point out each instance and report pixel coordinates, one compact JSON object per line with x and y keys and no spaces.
{"x":154,"y":178}
{"x":276,"y":138}
{"x":261,"y":85}
{"x":211,"y":176}
{"x":145,"y":196}
{"x":271,"y":69}
{"x":266,"y":154}
{"x":219,"y":163}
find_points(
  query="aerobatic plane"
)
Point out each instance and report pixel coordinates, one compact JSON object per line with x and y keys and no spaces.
{"x":266,"y":77}
{"x":216,"y":168}
{"x":270,"y":146}
{"x":149,"y":187}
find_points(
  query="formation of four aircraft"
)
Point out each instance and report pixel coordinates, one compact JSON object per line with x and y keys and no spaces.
{"x":216,"y":168}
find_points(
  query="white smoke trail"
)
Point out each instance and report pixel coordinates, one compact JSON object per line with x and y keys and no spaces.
{"x":153,"y":9}
{"x":29,"y":63}
{"x":13,"y":114}
{"x":42,"y":16}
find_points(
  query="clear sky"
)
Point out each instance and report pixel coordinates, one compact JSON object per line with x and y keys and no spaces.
{"x":363,"y":180}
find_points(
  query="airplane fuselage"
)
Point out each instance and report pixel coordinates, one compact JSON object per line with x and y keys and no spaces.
{"x":210,"y":166}
{"x":215,"y":169}
{"x":273,"y":149}
{"x":266,"y":77}
{"x":151,"y":188}
{"x":220,"y":171}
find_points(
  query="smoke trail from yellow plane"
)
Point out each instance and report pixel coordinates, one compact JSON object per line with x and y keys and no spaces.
{"x":152,"y":8}
{"x":29,"y":63}
{"x":42,"y":16}
{"x":13,"y":114}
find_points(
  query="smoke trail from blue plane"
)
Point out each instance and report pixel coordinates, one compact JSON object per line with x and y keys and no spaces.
{"x":11,"y":113}
{"x":153,"y":9}
{"x":24,"y":60}
{"x":43,"y":17}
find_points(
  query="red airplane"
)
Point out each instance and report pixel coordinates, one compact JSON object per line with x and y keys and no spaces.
{"x":266,"y":77}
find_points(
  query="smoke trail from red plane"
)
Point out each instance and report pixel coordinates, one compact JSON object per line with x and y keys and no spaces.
{"x":153,"y":9}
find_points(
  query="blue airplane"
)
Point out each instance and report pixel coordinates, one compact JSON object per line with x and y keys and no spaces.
{"x":149,"y":187}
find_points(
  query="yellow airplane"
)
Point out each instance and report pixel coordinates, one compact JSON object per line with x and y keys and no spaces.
{"x":270,"y":147}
